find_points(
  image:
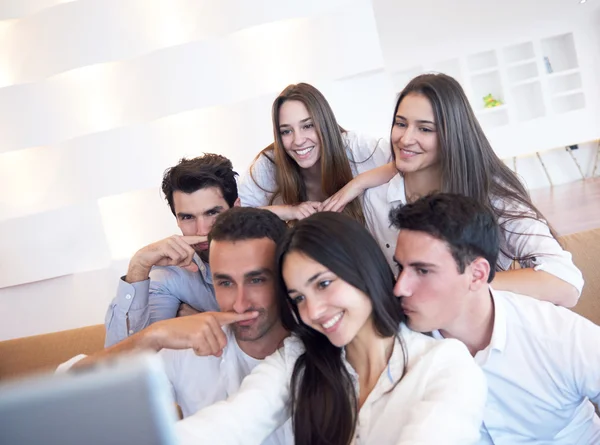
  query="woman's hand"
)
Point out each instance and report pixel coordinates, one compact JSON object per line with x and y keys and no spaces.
{"x":337,"y":202}
{"x":303,"y":210}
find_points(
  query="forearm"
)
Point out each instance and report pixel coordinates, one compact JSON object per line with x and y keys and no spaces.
{"x":375,"y":177}
{"x":284,"y":212}
{"x":537,"y":284}
{"x":145,"y":340}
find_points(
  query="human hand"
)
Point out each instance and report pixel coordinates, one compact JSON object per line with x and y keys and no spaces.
{"x":337,"y":202}
{"x":175,"y":250}
{"x":303,"y":210}
{"x":201,"y":332}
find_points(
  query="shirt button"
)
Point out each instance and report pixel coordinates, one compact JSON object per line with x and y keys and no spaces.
{"x":131,"y":331}
{"x":387,"y":245}
{"x":128,"y":296}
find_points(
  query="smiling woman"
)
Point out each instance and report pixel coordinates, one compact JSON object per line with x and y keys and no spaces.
{"x":352,"y":371}
{"x":312,"y":158}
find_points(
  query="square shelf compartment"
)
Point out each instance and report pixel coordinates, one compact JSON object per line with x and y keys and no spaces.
{"x":484,"y":84}
{"x":560,"y":53}
{"x":482,"y":61}
{"x":493,"y":117}
{"x":528,"y":101}
{"x":562,"y":84}
{"x":523,"y":72}
{"x":519,"y":53}
{"x":572,"y":102}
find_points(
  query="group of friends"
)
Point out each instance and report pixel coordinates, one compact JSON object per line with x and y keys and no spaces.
{"x":345,"y":292}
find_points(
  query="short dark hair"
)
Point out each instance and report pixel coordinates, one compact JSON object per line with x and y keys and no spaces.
{"x":191,"y":175}
{"x":468,"y":228}
{"x":244,"y":223}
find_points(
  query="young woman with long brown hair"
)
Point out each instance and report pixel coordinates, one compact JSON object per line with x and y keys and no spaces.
{"x":439,"y":146}
{"x":351,"y":372}
{"x":312,"y":158}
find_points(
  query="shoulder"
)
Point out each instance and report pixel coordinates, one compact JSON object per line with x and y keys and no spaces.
{"x":361,"y":147}
{"x":537,"y":319}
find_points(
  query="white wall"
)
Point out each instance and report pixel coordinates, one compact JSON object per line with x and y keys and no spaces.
{"x":98,"y":97}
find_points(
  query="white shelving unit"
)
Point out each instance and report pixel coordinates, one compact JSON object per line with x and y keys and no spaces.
{"x":533,"y":80}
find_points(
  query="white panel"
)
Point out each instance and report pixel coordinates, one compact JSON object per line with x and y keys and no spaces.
{"x":131,"y":158}
{"x":52,"y":244}
{"x":61,"y":303}
{"x":119,"y":29}
{"x":246,"y":64}
{"x":134,"y":220}
{"x":363,"y":103}
{"x":12,"y":9}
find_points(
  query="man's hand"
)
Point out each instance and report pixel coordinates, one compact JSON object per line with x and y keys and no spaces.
{"x":201,"y":332}
{"x":185,"y":310}
{"x":175,"y":250}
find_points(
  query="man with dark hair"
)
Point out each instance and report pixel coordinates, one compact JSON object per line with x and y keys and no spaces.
{"x":172,"y":277}
{"x":207,"y":355}
{"x":542,"y":362}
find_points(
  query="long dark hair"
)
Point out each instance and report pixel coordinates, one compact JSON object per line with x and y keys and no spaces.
{"x":335,"y":165}
{"x":469,"y":165}
{"x":324,"y":403}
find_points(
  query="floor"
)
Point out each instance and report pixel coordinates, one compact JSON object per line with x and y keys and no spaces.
{"x":572,"y":207}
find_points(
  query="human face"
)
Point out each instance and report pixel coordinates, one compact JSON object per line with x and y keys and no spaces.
{"x":244,"y":280}
{"x":326,"y":303}
{"x":298,"y":134}
{"x":433,"y":293}
{"x":196,"y":213}
{"x":414,"y":135}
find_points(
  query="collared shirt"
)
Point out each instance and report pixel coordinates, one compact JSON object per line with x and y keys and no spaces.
{"x":137,"y":305}
{"x":523,"y":237}
{"x":364,"y":154}
{"x":543,"y":368}
{"x":439,"y":399}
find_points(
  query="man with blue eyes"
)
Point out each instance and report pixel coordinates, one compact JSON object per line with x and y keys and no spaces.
{"x":542,"y":361}
{"x":206,"y":356}
{"x":171,"y":277}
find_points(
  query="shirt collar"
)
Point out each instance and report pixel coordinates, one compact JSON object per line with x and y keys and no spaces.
{"x":203,"y":268}
{"x":498,"y":340}
{"x":395,"y":191}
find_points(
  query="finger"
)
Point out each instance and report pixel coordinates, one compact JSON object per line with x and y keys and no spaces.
{"x":193,"y":239}
{"x":210,"y":340}
{"x":225,"y":318}
{"x":192,"y":267}
{"x":331,"y":203}
{"x":170,"y":257}
{"x":313,"y":204}
{"x":181,"y":253}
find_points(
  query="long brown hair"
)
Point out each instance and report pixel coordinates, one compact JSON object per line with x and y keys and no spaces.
{"x":324,"y":403}
{"x":469,"y":165}
{"x":335,"y":165}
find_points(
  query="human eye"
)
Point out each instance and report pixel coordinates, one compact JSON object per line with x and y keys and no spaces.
{"x":257,"y":280}
{"x":400,"y":124}
{"x":297,"y":299}
{"x":426,"y":130}
{"x":212,"y":212}
{"x":186,"y":217}
{"x":323,"y":284}
{"x":284,"y":132}
{"x":309,"y":126}
{"x":422,"y":271}
{"x":224,"y":283}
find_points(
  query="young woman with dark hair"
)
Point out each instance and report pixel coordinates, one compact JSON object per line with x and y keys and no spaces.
{"x":439,"y":146}
{"x":351,"y":372}
{"x":311,"y":159}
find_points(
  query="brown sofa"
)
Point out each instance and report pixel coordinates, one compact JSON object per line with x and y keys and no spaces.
{"x":45,"y":352}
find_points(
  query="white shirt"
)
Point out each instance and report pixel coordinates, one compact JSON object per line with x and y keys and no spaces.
{"x":542,"y":368}
{"x":198,"y":382}
{"x":258,"y":184}
{"x":439,"y":400}
{"x":522,"y":236}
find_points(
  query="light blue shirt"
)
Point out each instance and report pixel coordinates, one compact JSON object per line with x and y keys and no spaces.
{"x":542,"y":368}
{"x":138,"y":305}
